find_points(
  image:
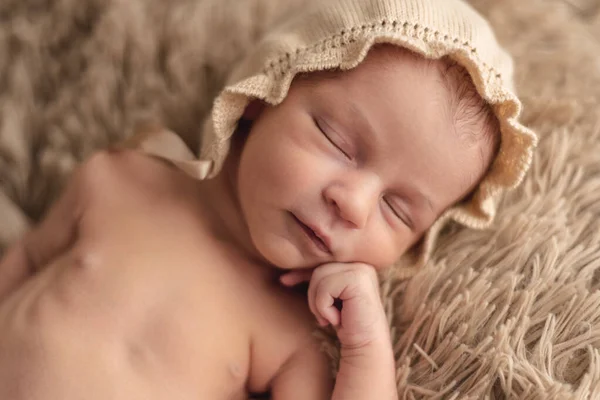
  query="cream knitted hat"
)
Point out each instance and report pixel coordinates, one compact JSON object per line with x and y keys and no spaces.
{"x":338,"y":34}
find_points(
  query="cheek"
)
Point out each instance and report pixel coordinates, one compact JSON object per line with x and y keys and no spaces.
{"x":277,"y":166}
{"x":380,"y":247}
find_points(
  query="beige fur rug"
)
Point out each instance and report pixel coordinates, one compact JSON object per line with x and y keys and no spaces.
{"x":510,"y":312}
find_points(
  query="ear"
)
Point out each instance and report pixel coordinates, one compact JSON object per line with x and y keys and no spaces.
{"x":253,"y":110}
{"x":251,"y":113}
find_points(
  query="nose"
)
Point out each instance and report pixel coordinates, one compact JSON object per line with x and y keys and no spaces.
{"x":353,"y":199}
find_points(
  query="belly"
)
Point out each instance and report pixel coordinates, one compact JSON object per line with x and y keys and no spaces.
{"x":132,"y":325}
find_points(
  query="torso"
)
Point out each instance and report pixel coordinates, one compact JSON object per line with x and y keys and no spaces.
{"x":149,"y":306}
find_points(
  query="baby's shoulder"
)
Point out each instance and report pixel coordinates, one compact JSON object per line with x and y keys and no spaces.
{"x":115,"y":181}
{"x":285,"y":344}
{"x":129,"y":170}
{"x":305,"y":373}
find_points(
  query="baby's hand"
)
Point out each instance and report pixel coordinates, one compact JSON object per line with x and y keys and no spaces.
{"x":345,"y":295}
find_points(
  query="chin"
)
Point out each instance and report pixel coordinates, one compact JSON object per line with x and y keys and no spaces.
{"x":280,"y":255}
{"x":269,"y":251}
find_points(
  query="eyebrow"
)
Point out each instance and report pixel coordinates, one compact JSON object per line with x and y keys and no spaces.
{"x":361,"y":122}
{"x":422,"y":198}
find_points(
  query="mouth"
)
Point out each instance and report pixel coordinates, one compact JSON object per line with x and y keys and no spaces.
{"x":320,"y":240}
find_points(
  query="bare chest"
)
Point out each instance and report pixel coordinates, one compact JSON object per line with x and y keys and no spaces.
{"x":152,"y":309}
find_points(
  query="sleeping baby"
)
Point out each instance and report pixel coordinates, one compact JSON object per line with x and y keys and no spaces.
{"x":343,"y":144}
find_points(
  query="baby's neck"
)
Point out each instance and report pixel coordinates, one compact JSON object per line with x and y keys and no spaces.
{"x":226,"y":222}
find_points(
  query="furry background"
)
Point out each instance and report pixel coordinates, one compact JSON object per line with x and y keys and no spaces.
{"x":509,"y":312}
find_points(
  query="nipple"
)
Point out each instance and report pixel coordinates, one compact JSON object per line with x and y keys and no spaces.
{"x":236,"y":371}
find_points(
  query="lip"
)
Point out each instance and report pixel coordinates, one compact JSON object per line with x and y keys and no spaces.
{"x":316,"y":235}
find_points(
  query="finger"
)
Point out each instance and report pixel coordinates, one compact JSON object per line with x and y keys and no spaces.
{"x":321,"y":273}
{"x":321,"y":321}
{"x":330,"y":282}
{"x":353,"y":274}
{"x":293,"y":278}
{"x":325,"y":304}
{"x":321,"y":279}
{"x":325,"y":270}
{"x":347,"y":286}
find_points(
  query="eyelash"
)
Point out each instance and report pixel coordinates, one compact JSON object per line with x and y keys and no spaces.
{"x":330,"y":140}
{"x":404,"y":220}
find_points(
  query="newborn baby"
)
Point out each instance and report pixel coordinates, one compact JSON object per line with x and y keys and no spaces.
{"x":146,"y":283}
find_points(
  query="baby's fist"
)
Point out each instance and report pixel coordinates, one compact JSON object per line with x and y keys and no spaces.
{"x":345,"y":295}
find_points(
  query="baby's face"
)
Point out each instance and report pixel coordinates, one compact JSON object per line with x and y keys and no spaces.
{"x":355,"y":167}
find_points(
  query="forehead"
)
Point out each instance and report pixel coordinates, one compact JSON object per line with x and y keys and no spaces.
{"x":406,"y":103}
{"x":398,"y":83}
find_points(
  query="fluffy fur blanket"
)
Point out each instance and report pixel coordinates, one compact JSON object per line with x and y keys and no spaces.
{"x":509,"y":312}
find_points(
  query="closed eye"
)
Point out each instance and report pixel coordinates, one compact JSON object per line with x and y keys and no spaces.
{"x":319,"y":125}
{"x":400,"y":215}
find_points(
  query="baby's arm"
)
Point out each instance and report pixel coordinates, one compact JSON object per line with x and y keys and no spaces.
{"x":367,"y":372}
{"x":56,"y":234}
{"x":45,"y":242}
{"x":64,"y":224}
{"x":366,"y":369}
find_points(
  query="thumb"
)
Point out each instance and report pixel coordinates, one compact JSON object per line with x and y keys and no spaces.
{"x":293,"y":278}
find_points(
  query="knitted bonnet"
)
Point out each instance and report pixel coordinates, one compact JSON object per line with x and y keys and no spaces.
{"x":337,"y":34}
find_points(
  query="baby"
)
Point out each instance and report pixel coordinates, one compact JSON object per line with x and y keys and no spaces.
{"x":144,"y":282}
